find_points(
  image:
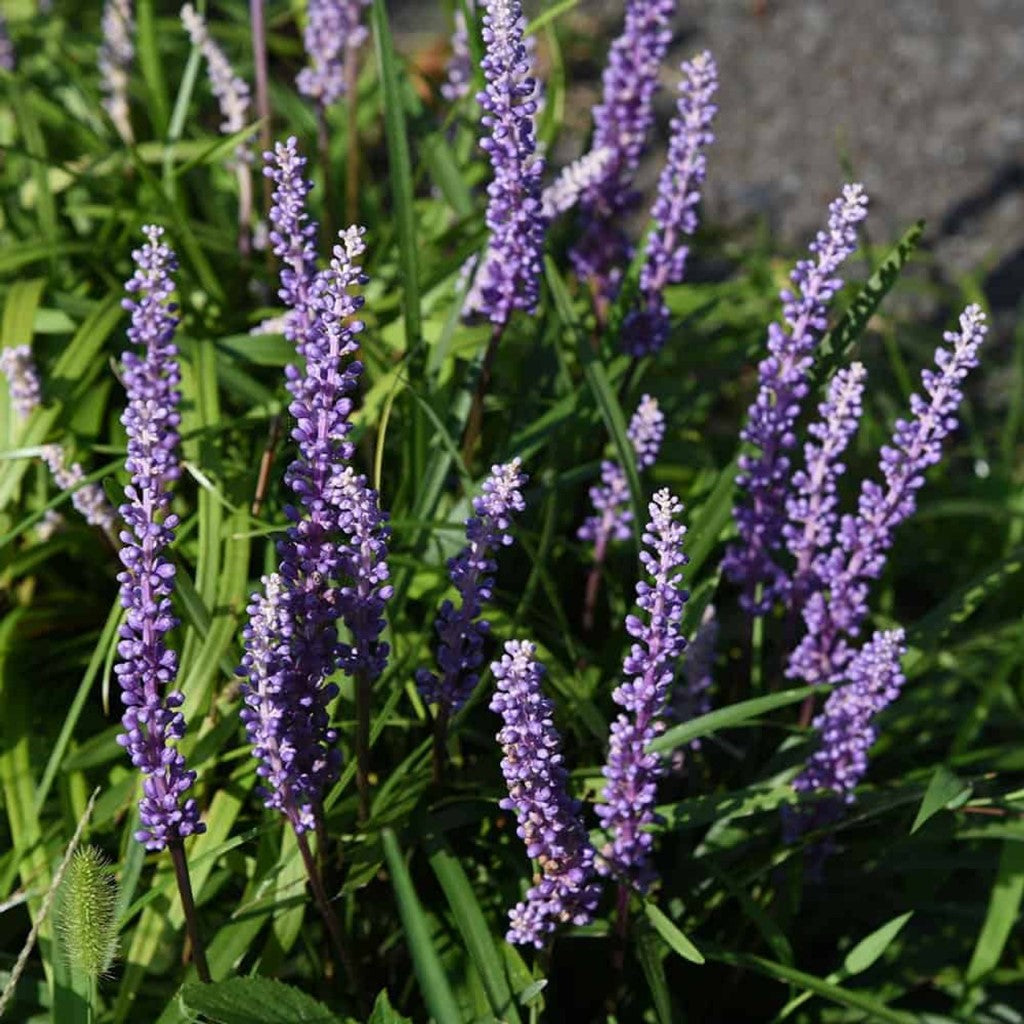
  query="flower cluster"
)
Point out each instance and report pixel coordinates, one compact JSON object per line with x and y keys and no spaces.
{"x":675,"y":210}
{"x":622,"y":122}
{"x":231,"y":90}
{"x":838,"y":608}
{"x":18,"y":366}
{"x":846,"y":733}
{"x":115,"y":60}
{"x":573,"y":181}
{"x":549,"y":819}
{"x":812,"y":506}
{"x":459,"y":73}
{"x":783,"y":385}
{"x":632,"y":772}
{"x":89,"y":499}
{"x":610,"y":498}
{"x":334,"y":31}
{"x":510,"y":275}
{"x":461,"y":634}
{"x":335,"y":532}
{"x":147,"y":666}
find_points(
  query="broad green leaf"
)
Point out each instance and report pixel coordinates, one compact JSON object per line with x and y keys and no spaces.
{"x":436,"y":991}
{"x":870,"y":948}
{"x":944,"y":788}
{"x":255,"y":1000}
{"x":649,"y":952}
{"x":1002,"y":914}
{"x":672,"y":935}
{"x":728,"y":717}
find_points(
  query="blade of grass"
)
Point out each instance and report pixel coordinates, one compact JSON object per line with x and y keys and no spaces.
{"x":437,"y":993}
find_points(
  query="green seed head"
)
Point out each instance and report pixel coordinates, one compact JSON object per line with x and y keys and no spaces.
{"x":87,"y":913}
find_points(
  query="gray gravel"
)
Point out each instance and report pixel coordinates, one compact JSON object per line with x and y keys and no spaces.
{"x":923,"y":99}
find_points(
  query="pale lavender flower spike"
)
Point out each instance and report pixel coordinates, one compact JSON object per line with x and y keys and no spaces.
{"x":764,"y":478}
{"x":549,"y":821}
{"x":115,"y":60}
{"x":18,"y":366}
{"x":632,"y":772}
{"x":333,"y":33}
{"x":610,"y":498}
{"x":459,"y":74}
{"x":460,"y":631}
{"x":147,"y":667}
{"x":622,"y":122}
{"x":510,"y":274}
{"x":846,"y":733}
{"x":837,"y":610}
{"x":565,"y":191}
{"x":231,"y":90}
{"x":675,"y":210}
{"x":812,"y":506}
{"x":89,"y":499}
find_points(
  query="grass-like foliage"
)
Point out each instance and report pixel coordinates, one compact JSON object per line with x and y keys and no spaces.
{"x":475,"y":590}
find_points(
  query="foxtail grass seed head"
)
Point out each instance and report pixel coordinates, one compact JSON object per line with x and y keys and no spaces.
{"x":784,"y":380}
{"x":87,"y":913}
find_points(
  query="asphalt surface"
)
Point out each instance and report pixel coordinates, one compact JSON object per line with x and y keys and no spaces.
{"x":921,"y":100}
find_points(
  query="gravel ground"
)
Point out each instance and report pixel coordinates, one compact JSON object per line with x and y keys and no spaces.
{"x":921,"y":99}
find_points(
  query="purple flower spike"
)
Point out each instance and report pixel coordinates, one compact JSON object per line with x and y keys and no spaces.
{"x":293,"y":237}
{"x":846,"y":732}
{"x":610,"y":498}
{"x":510,"y":275}
{"x":765,"y":476}
{"x":632,"y":772}
{"x":812,"y":509}
{"x":622,"y":122}
{"x":291,"y":643}
{"x":18,"y":366}
{"x":231,"y":90}
{"x":675,"y":210}
{"x":364,"y":599}
{"x":115,"y":61}
{"x":549,"y":819}
{"x":335,"y":29}
{"x":838,"y":609}
{"x":147,"y":667}
{"x":461,"y":634}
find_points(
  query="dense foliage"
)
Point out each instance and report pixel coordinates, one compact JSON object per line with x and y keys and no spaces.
{"x":520,"y":607}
